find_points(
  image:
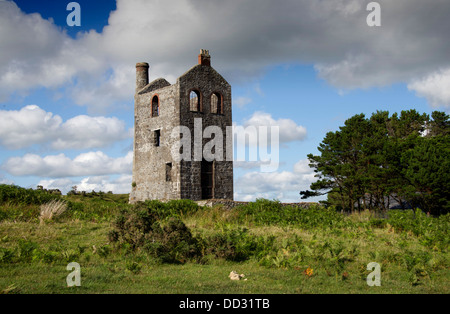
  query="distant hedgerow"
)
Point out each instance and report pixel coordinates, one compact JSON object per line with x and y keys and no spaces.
{"x":13,"y":194}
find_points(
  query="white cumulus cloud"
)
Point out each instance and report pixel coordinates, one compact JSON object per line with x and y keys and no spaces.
{"x":60,"y":166}
{"x":30,"y":125}
{"x":435,"y":87}
{"x":281,"y":185}
{"x":120,"y":185}
{"x":117,"y":185}
{"x":33,"y":125}
{"x":289,"y":130}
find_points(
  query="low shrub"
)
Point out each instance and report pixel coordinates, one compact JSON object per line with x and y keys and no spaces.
{"x":238,"y":245}
{"x":173,"y":243}
{"x":133,"y":227}
{"x":140,"y":229}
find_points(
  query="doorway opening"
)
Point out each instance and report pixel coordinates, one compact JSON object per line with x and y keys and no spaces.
{"x":207,"y":179}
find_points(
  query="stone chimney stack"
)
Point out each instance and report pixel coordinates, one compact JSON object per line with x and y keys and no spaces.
{"x":141,"y":75}
{"x":204,"y":58}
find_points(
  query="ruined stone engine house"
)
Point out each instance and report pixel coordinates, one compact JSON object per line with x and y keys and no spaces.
{"x":200,"y":93}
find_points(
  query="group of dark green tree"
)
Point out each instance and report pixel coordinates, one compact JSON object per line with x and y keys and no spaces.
{"x":370,"y":163}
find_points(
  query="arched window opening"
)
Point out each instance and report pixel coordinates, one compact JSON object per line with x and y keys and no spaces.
{"x":194,"y":101}
{"x":155,"y":106}
{"x":216,"y":103}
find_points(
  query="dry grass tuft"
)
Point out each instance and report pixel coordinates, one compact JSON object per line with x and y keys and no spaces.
{"x":52,"y":209}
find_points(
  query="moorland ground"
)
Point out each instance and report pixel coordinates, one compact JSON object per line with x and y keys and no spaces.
{"x":180,"y":247}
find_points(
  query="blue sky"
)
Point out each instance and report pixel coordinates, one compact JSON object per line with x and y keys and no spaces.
{"x":66,"y":93}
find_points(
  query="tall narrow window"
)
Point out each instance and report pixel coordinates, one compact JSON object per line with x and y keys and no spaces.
{"x":169,"y":172}
{"x":216,"y":103}
{"x":194,"y":101}
{"x":155,"y":106}
{"x":157,"y":137}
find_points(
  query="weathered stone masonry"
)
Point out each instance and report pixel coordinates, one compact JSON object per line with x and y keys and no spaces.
{"x":201,"y":93}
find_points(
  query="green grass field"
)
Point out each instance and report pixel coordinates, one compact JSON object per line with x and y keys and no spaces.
{"x":279,"y":250}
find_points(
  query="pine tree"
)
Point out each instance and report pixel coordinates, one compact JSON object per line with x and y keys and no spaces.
{"x":368,"y":162}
